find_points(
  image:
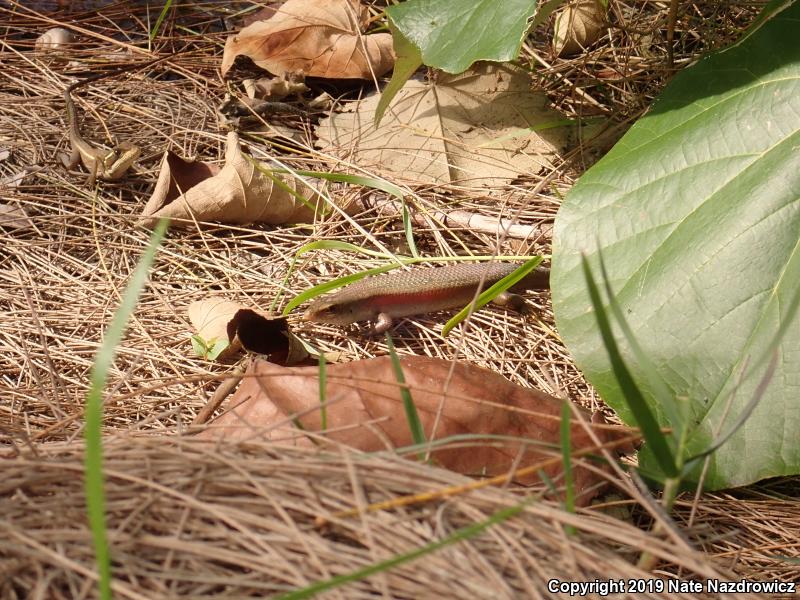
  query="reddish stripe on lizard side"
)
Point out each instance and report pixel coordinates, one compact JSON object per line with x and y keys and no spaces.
{"x":386,"y":300}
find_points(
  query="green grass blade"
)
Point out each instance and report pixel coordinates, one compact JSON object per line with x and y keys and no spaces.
{"x":488,"y":294}
{"x":409,"y":231}
{"x":663,"y":395}
{"x":280,"y":293}
{"x":336,"y":283}
{"x":320,"y":245}
{"x":458,"y":535}
{"x":548,"y":482}
{"x":332,"y":285}
{"x":93,"y":461}
{"x":162,"y":15}
{"x":787,"y":559}
{"x":273,"y":175}
{"x":370,"y":182}
{"x":345,"y":246}
{"x":502,"y":141}
{"x":409,"y":59}
{"x":633,"y":396}
{"x":414,"y":424}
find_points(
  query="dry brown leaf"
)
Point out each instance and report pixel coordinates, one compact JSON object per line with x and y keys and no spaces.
{"x":276,"y":88}
{"x":262,"y":14}
{"x":217,"y":319}
{"x":238,"y":193}
{"x":365,"y":411}
{"x":474,"y":128}
{"x":577,"y":27}
{"x":251,"y":114}
{"x":14,"y":217}
{"x":321,"y":38}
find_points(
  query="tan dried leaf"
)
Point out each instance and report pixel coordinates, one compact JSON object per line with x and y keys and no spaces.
{"x":54,"y":39}
{"x":321,"y":38}
{"x":365,"y":410}
{"x":478,"y":128}
{"x":218,"y":319}
{"x":210,"y":318}
{"x":239,"y":193}
{"x":577,"y":27}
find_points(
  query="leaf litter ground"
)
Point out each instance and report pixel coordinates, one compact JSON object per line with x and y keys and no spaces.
{"x":187,"y":519}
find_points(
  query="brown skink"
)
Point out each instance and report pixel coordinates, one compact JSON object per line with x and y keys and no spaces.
{"x":383,"y":298}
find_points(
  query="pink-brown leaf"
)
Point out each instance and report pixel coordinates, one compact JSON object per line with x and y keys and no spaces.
{"x":365,"y":411}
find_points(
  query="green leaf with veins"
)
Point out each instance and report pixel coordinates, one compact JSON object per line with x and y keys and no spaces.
{"x":697,"y":213}
{"x":453,"y":35}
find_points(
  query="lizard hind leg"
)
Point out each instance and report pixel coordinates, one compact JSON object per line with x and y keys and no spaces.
{"x":382,"y":324}
{"x":90,"y":181}
{"x":71,"y":159}
{"x":513,"y":301}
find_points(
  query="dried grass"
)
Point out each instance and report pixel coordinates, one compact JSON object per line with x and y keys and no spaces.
{"x":193,"y":520}
{"x":188,"y":519}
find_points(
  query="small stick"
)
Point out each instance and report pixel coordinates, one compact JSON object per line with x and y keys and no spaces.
{"x":672,"y":19}
{"x":462,"y":218}
{"x":216,"y":400}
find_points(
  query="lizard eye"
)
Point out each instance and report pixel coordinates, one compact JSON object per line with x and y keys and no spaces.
{"x":331,"y":310}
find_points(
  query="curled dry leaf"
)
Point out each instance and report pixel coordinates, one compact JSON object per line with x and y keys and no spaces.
{"x":210,"y":318}
{"x":365,"y":410}
{"x":230,"y":326}
{"x":238,"y":193}
{"x":480,"y":128}
{"x":276,"y":88}
{"x":322,"y":102}
{"x":578,"y":26}
{"x":321,"y":38}
{"x":54,"y":39}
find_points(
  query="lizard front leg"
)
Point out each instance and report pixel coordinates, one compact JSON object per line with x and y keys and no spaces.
{"x":382,"y":323}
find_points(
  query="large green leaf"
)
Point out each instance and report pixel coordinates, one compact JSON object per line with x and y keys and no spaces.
{"x":452,"y":35}
{"x":697,"y":213}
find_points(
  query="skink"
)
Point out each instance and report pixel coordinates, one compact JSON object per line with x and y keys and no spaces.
{"x":383,"y":298}
{"x":104,"y":163}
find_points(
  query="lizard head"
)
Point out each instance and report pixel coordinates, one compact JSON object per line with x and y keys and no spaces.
{"x":108,"y":156}
{"x":335,"y":312}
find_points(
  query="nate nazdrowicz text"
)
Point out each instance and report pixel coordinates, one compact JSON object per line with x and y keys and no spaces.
{"x":606,"y":587}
